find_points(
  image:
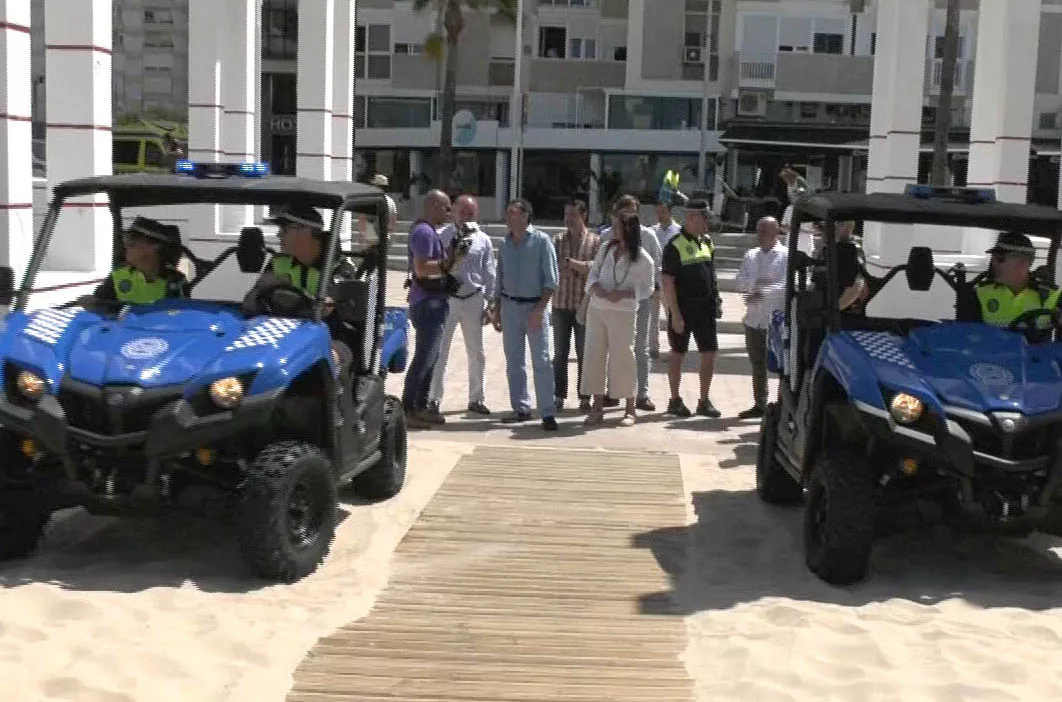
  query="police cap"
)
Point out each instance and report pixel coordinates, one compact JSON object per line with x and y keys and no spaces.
{"x":299,"y":214}
{"x":154,"y":230}
{"x":1013,"y":243}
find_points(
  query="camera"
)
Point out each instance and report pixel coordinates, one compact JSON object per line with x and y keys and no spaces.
{"x":462,"y":241}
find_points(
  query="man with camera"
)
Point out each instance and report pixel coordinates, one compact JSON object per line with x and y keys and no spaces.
{"x":475,"y":276}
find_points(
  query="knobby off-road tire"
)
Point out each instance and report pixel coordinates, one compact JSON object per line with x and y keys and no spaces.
{"x":385,"y":479}
{"x":840,"y":516}
{"x":773,"y":484}
{"x":286,"y":518}
{"x":22,"y":522}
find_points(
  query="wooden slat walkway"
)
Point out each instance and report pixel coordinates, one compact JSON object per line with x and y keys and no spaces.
{"x":520,"y":582}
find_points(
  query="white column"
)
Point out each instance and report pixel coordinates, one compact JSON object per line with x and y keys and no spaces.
{"x":899,"y":80}
{"x":16,"y":155}
{"x":1004,"y":75}
{"x":594,"y":205}
{"x":343,"y":92}
{"x":204,"y":100}
{"x":501,"y":183}
{"x":313,"y":146}
{"x":78,"y":88}
{"x":635,"y":35}
{"x":239,"y":89}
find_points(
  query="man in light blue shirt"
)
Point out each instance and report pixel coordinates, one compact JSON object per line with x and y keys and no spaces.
{"x":628,"y":204}
{"x":476,"y":273}
{"x":527,"y":277}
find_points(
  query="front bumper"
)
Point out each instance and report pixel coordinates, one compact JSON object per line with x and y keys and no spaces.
{"x":168,"y":430}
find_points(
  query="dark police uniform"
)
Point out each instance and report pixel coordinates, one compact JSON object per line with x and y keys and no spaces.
{"x":993,"y":303}
{"x":690,"y":260}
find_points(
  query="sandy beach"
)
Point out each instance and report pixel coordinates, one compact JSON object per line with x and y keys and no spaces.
{"x":110,"y":611}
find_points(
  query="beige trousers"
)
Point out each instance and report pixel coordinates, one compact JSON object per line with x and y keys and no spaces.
{"x":609,"y":348}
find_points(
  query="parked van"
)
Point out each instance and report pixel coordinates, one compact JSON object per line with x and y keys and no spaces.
{"x":148,"y":147}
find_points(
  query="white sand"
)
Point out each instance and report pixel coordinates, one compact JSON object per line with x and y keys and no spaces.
{"x":113,"y":610}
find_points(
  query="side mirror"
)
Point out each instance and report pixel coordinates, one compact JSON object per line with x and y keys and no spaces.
{"x":251,"y":250}
{"x":7,"y":285}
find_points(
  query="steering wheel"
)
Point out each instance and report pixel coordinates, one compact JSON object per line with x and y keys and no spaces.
{"x":1025,"y":323}
{"x":284,"y":300}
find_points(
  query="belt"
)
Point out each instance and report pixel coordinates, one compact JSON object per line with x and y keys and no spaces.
{"x":477,"y":291}
{"x":522,"y":299}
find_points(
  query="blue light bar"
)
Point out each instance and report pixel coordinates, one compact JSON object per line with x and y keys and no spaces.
{"x":184,"y":166}
{"x":253,"y":169}
{"x":943,"y":192}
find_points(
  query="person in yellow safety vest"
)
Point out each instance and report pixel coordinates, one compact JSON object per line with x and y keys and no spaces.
{"x":1009,"y":290}
{"x":149,"y":274}
{"x":299,"y":263}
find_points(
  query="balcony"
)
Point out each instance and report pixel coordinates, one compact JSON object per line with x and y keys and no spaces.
{"x":582,"y":110}
{"x":963,"y":76}
{"x":757,"y":70}
{"x":836,"y":74}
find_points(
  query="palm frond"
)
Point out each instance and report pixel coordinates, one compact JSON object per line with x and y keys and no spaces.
{"x":421,"y":5}
{"x":507,"y":8}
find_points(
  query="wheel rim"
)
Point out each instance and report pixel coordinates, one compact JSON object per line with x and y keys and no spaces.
{"x":305,"y":519}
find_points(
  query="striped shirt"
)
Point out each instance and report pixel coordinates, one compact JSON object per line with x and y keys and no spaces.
{"x":569,"y":293}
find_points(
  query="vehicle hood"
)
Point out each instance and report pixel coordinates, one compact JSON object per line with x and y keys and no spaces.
{"x":156,"y":346}
{"x":984,"y":368}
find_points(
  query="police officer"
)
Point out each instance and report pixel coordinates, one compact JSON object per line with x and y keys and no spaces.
{"x":1009,"y":290}
{"x":691,"y":293}
{"x":299,"y":263}
{"x":149,"y":274}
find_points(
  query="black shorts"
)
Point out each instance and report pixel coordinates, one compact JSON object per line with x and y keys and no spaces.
{"x":701,"y":327}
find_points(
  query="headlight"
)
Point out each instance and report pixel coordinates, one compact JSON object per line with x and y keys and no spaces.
{"x":227,"y":392}
{"x":906,"y":409}
{"x":30,"y":385}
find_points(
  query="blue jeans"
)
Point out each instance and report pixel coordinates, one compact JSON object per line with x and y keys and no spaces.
{"x":428,"y":318}
{"x":515,"y":331}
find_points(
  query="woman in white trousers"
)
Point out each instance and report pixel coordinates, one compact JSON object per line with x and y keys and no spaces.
{"x":622,"y":274}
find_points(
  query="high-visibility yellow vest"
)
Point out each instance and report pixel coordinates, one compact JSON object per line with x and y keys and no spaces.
{"x":693,"y":251}
{"x":289,"y":270}
{"x":1000,"y":306}
{"x":131,"y":286}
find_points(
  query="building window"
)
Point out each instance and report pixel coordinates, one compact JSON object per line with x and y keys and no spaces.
{"x":552,"y":42}
{"x":701,"y":39}
{"x":398,"y":113}
{"x":568,"y":3}
{"x":582,"y":48}
{"x":158,"y":16}
{"x":280,"y":30}
{"x":828,"y":43}
{"x":938,"y":48}
{"x":158,"y":40}
{"x":283,"y":97}
{"x":619,"y":53}
{"x":1049,"y":120}
{"x":372,"y":52}
{"x":474,"y":171}
{"x":873,"y":43}
{"x":666,"y":113}
{"x":640,"y":175}
{"x":409,"y":49}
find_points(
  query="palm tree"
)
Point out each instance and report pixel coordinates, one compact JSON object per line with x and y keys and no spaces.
{"x":948,"y":58}
{"x":451,"y":14}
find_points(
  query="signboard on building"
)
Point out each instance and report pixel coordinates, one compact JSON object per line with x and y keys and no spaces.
{"x":464,"y":128}
{"x":282,"y":124}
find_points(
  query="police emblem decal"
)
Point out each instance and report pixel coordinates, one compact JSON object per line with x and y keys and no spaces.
{"x":143,"y":349}
{"x":993,"y":305}
{"x":125,"y":286}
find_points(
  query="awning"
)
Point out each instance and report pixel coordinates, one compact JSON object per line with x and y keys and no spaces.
{"x":786,"y":136}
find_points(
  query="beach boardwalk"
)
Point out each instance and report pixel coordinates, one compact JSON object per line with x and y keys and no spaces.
{"x":522,"y":580}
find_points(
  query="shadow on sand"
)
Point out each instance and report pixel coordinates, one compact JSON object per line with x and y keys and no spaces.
{"x":741,"y":550}
{"x":85,"y":552}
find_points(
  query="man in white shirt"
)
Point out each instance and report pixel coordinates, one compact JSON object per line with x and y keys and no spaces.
{"x":476,"y":273}
{"x":762,"y":279}
{"x":628,"y":204}
{"x":665,"y":229}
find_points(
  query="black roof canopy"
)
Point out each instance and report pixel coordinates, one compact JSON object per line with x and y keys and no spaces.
{"x":906,"y":209}
{"x":145,"y":190}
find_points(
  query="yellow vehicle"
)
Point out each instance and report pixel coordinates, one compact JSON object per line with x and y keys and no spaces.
{"x":148,"y":147}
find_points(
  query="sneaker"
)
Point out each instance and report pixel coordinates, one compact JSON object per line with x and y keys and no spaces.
{"x":628,"y":420}
{"x":646,"y":405}
{"x":610,"y":402}
{"x":478,"y":408}
{"x":751,"y":413}
{"x":705,"y":408}
{"x":584,"y":405}
{"x":432,"y":416}
{"x":678,"y":408}
{"x":594,"y":418}
{"x":415,"y":420}
{"x":549,"y":424}
{"x":517,"y":418}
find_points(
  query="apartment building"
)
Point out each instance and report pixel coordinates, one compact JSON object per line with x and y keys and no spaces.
{"x":801,"y":92}
{"x":149,"y":59}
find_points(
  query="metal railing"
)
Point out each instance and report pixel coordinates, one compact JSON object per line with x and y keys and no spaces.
{"x":757,"y":70}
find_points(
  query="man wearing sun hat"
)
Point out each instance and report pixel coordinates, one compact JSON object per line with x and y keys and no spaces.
{"x":1009,"y":290}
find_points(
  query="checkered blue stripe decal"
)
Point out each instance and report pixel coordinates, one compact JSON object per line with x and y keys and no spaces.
{"x":882,"y":346}
{"x":266,"y":333}
{"x":48,"y":326}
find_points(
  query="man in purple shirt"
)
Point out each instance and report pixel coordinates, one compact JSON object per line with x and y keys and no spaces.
{"x":428,"y":306}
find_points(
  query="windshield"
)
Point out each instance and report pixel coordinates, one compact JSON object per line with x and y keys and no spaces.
{"x":73,"y":267}
{"x":882,"y":247}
